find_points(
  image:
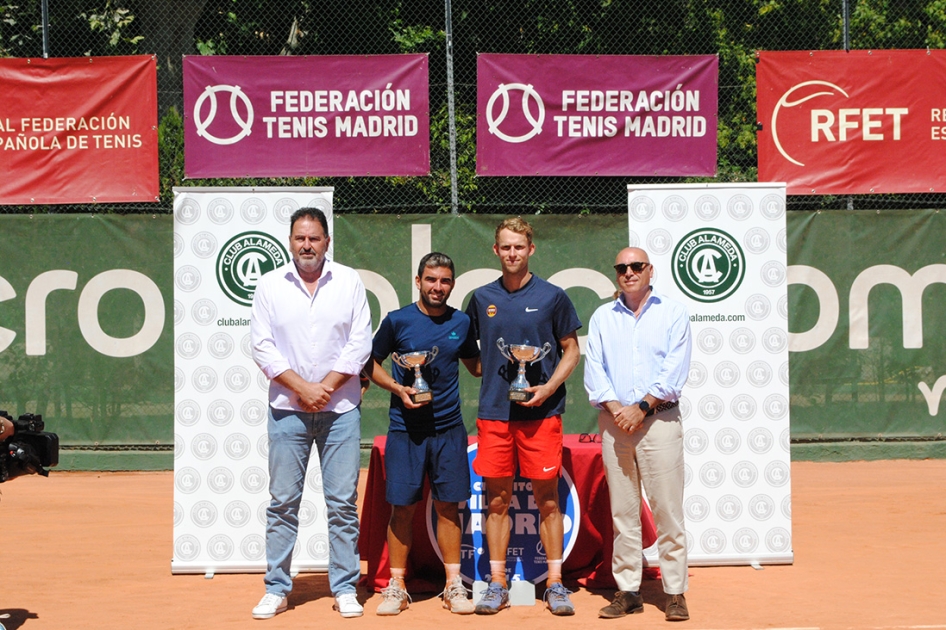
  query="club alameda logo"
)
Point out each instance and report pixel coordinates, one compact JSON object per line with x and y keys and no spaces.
{"x":242,"y":262}
{"x":708,"y":265}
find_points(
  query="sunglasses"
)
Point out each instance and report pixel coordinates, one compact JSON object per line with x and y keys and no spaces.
{"x":636,"y":267}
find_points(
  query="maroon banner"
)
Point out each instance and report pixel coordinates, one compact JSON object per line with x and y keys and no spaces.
{"x":596,"y":115}
{"x":306,"y":116}
{"x":858,"y":122}
{"x":78,"y":130}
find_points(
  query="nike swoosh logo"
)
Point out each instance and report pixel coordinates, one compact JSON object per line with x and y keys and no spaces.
{"x":531,"y":310}
{"x":548,"y":468}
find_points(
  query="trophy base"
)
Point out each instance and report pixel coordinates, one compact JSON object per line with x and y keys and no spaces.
{"x":520,"y":395}
{"x":422,"y":397}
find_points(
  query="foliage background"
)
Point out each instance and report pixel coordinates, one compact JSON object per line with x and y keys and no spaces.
{"x":732,"y":29}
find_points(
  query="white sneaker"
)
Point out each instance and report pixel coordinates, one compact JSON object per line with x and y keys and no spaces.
{"x":270,"y":606}
{"x":347,"y":605}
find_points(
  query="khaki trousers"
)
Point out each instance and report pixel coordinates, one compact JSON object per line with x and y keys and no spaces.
{"x":652,"y":456}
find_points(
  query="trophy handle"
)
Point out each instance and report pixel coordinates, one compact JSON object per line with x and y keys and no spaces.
{"x":397,"y":359}
{"x":504,"y":349}
{"x":545,"y":350}
{"x":432,"y":354}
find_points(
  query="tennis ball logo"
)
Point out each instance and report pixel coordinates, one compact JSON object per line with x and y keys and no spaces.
{"x":708,"y":265}
{"x":242,"y":262}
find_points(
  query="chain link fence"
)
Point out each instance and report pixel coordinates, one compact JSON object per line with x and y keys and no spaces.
{"x":732,"y":29}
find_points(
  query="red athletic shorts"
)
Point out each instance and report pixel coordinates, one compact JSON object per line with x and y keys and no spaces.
{"x":536,"y":444}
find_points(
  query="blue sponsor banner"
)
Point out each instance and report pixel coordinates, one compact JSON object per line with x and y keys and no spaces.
{"x":525,"y":555}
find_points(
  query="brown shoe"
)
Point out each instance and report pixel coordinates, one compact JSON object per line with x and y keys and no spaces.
{"x":677,"y":608}
{"x":624,"y":603}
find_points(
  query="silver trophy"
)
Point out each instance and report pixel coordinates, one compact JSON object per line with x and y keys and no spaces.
{"x":416,"y":360}
{"x":523,"y":354}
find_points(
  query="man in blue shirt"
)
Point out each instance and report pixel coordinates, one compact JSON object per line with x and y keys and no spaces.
{"x":429,"y":437}
{"x":522,"y":308}
{"x":636,"y":362}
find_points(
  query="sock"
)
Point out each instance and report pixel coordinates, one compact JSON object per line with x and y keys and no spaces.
{"x":452,"y":571}
{"x":497,"y":571}
{"x":397,"y":576}
{"x":555,"y":572}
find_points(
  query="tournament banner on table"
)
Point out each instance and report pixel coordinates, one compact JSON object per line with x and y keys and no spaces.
{"x":858,"y":122}
{"x":596,"y":115}
{"x":225,"y":239}
{"x":721,"y":250}
{"x":289,"y":116}
{"x":79,"y":130}
{"x":526,"y":558}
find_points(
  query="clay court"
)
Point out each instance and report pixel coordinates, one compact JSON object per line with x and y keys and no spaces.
{"x":93,"y":550}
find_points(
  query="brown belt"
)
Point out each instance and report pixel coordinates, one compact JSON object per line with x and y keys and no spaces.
{"x":662,"y":407}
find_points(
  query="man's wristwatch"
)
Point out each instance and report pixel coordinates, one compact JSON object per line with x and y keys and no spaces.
{"x":644,"y":406}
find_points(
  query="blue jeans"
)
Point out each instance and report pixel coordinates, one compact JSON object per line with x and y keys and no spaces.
{"x":338,"y":440}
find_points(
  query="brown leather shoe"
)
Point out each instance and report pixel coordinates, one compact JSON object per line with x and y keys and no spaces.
{"x":677,"y":608}
{"x":624,"y":603}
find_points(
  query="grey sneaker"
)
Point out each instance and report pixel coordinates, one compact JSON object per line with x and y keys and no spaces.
{"x":394,"y":600}
{"x":270,"y":606}
{"x":455,"y":598}
{"x":556,"y":598}
{"x":495,"y":598}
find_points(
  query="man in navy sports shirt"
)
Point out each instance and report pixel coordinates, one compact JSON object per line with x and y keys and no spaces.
{"x":522,"y":308}
{"x":427,"y":438}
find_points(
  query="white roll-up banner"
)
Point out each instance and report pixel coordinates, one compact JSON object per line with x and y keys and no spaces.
{"x":225,"y":239}
{"x":721,"y":250}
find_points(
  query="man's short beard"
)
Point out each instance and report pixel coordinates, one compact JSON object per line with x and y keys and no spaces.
{"x":429,"y":304}
{"x":310,"y":266}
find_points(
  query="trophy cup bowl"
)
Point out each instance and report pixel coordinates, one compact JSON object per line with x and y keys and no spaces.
{"x":522,"y":353}
{"x":417,"y":360}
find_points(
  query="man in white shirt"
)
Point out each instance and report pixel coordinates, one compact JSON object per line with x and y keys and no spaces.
{"x":637,"y":359}
{"x":311,"y":332}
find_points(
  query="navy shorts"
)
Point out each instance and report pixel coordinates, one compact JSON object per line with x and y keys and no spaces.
{"x":441,"y":456}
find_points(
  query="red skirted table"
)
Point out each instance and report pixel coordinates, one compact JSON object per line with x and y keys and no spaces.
{"x":589,"y":562}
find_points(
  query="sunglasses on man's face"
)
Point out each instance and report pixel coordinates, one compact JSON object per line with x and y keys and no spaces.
{"x":636,"y":267}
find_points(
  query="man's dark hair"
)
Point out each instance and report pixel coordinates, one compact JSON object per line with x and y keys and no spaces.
{"x":435,"y":259}
{"x":311,"y":213}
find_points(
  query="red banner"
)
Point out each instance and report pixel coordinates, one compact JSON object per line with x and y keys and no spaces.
{"x":306,"y":116}
{"x":858,"y":122}
{"x":78,"y":130}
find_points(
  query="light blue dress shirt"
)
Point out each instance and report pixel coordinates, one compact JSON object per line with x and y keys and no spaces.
{"x":627,"y":357}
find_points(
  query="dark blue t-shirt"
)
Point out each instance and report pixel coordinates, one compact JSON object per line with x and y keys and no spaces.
{"x":537,"y":313}
{"x":409,"y":330}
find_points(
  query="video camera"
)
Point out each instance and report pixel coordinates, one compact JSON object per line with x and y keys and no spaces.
{"x":30,"y":450}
